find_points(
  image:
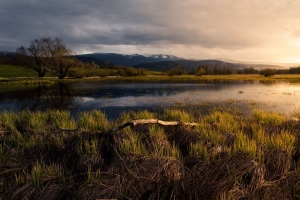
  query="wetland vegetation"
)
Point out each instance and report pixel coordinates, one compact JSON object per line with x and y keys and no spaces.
{"x":232,"y":152}
{"x":226,"y":156}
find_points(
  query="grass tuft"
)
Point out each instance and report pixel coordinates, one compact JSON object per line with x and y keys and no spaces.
{"x":268,"y":118}
{"x":177,"y":115}
{"x":93,"y":121}
{"x":228,"y":156}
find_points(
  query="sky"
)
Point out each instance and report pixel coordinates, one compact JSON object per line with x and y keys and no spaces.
{"x":245,"y":30}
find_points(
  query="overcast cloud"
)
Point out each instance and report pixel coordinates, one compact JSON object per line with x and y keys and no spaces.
{"x":242,"y":30}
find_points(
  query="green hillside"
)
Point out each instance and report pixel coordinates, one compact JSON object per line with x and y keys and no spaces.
{"x":10,"y":71}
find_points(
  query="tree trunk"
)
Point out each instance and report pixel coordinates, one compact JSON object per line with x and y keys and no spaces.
{"x":61,"y":76}
{"x":41,"y":74}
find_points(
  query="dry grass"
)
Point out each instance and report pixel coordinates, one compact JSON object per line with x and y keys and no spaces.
{"x":226,"y":157}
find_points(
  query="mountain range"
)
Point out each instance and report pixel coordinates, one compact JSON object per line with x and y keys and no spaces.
{"x":160,"y":62}
{"x":127,"y":60}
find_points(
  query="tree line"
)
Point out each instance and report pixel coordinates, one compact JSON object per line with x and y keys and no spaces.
{"x":52,"y":55}
{"x":208,"y":69}
{"x":44,"y":55}
{"x":205,"y":69}
{"x":215,"y":69}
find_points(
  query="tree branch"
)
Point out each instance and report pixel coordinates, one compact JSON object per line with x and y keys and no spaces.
{"x":152,"y":121}
{"x":139,"y":122}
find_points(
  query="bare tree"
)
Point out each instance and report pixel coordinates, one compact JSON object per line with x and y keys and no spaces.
{"x":47,"y":54}
{"x":63,"y":65}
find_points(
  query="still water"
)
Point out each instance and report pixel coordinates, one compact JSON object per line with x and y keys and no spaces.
{"x":114,"y":98}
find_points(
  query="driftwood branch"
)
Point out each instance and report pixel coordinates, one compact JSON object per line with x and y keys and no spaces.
{"x":152,"y":121}
{"x":164,"y":123}
{"x":296,"y":119}
{"x":139,"y":122}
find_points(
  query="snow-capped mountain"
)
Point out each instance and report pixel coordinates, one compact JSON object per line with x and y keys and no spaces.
{"x":131,"y":60}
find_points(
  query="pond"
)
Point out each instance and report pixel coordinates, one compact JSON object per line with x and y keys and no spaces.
{"x":116,"y":97}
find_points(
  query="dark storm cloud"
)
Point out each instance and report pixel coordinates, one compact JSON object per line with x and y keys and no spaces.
{"x":100,"y":22}
{"x":215,"y":24}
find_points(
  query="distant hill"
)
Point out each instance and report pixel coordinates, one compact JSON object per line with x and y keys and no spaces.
{"x":151,"y":62}
{"x":185,"y":64}
{"x":161,"y":62}
{"x":130,"y":60}
{"x":86,"y":59}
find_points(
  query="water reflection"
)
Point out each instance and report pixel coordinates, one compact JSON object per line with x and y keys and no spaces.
{"x":113,"y":98}
{"x":59,"y":97}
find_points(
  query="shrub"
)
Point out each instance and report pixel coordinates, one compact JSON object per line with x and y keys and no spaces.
{"x":267,"y":72}
{"x":175,"y":71}
{"x":200,"y":72}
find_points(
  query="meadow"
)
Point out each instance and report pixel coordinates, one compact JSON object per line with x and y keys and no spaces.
{"x":11,"y":71}
{"x":225,"y":155}
{"x":14,"y":75}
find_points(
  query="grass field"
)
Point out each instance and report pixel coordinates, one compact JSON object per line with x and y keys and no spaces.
{"x":11,"y":71}
{"x":14,"y":75}
{"x":211,"y":78}
{"x":30,"y":81}
{"x":226,"y":156}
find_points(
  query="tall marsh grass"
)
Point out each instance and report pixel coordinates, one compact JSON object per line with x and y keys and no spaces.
{"x":284,"y":140}
{"x":42,"y":172}
{"x":268,"y":118}
{"x":177,"y":115}
{"x":93,"y":121}
{"x":226,"y":156}
{"x":133,"y":145}
{"x":202,"y":151}
{"x":247,"y":145}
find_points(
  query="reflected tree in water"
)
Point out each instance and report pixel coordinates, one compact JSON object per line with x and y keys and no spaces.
{"x":58,"y":98}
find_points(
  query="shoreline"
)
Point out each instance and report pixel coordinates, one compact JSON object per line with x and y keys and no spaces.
{"x":51,"y":80}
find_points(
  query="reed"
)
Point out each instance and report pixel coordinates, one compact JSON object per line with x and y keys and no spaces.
{"x":158,"y":142}
{"x":226,"y":156}
{"x":93,"y":121}
{"x":8,"y":121}
{"x":284,"y":140}
{"x":202,"y":151}
{"x":60,"y":119}
{"x":133,"y":145}
{"x":246,"y":145}
{"x":268,"y":118}
{"x":143,"y":114}
{"x":177,"y":115}
{"x":42,"y":172}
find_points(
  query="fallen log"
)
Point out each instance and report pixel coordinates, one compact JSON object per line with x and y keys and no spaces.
{"x":152,"y":121}
{"x":140,"y":122}
{"x":164,"y":123}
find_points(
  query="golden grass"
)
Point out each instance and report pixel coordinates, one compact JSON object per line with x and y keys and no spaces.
{"x":17,"y":81}
{"x":227,"y":156}
{"x":268,"y":118}
{"x":93,"y":121}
